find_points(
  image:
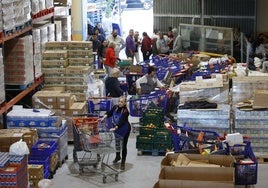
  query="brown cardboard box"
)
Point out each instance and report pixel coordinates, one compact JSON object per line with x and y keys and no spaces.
{"x":10,"y":136}
{"x":260,"y":99}
{"x":222,"y":160}
{"x":203,"y":175}
{"x":65,"y":100}
{"x":135,"y":69}
{"x":164,"y":183}
{"x":214,"y":174}
{"x":77,"y":108}
{"x":35,"y":171}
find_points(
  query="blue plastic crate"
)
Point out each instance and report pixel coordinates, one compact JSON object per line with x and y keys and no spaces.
{"x":44,"y":148}
{"x":246,"y":174}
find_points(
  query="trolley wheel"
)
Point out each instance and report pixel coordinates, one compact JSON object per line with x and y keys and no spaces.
{"x":104,"y":179}
{"x":116,"y":177}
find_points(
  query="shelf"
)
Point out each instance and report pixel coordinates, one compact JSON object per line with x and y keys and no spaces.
{"x":43,"y":15}
{"x":17,"y":33}
{"x":22,"y":94}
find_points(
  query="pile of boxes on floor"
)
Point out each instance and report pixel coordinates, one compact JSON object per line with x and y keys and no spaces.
{"x":17,"y":170}
{"x":47,"y":139}
{"x":236,"y":166}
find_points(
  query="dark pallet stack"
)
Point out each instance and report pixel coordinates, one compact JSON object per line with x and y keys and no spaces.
{"x":153,"y":139}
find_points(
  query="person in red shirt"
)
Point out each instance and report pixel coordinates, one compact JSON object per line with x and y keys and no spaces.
{"x":110,"y":58}
{"x":146,"y":46}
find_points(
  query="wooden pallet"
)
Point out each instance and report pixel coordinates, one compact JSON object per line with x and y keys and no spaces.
{"x":153,"y":152}
{"x":18,"y":87}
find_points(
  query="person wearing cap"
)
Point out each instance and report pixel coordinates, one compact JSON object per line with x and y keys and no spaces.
{"x":148,"y":82}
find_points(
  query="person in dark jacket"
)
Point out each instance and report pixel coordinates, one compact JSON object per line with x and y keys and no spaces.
{"x":146,"y":46}
{"x":112,"y":84}
{"x":121,"y":127}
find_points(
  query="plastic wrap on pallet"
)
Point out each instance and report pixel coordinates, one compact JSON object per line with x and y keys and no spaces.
{"x":49,"y":4}
{"x":22,"y":117}
{"x":211,"y":119}
{"x":35,"y":6}
{"x":246,"y":122}
{"x":216,"y":95}
{"x":244,"y":87}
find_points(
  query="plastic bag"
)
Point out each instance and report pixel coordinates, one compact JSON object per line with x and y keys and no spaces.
{"x":19,"y":148}
{"x":45,"y":183}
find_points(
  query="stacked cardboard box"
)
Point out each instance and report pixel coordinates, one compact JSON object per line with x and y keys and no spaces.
{"x":10,"y":136}
{"x":19,"y":61}
{"x":60,"y":101}
{"x":68,"y":64}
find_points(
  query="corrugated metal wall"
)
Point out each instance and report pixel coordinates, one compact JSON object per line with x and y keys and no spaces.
{"x":222,"y":13}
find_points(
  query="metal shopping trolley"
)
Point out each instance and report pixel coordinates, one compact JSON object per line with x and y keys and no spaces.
{"x":95,"y":148}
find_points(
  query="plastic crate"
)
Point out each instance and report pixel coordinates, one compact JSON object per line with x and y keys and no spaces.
{"x":145,"y":139}
{"x":44,"y":148}
{"x":96,"y":104}
{"x":246,"y":174}
{"x":138,"y":105}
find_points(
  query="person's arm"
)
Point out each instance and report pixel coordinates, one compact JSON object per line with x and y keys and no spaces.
{"x":138,"y":83}
{"x":159,"y":84}
{"x":108,"y":113}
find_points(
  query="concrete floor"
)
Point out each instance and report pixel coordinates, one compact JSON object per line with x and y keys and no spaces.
{"x":141,"y":171}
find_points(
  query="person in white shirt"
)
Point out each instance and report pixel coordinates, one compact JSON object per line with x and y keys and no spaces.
{"x":119,"y":42}
{"x":147,"y":83}
{"x":162,"y":44}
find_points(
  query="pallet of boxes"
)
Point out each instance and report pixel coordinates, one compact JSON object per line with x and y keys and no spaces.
{"x":68,"y":64}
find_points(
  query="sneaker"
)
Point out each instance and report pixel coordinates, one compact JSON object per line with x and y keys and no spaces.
{"x":116,"y":159}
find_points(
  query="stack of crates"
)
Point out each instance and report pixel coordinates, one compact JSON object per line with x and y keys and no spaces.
{"x":13,"y":171}
{"x":153,"y":136}
{"x":41,"y":153}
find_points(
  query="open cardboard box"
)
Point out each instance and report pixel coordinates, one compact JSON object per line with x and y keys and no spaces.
{"x":187,"y":176}
{"x":222,"y":160}
{"x":164,"y":183}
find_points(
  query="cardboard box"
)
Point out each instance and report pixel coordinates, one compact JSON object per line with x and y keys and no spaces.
{"x":78,"y":70}
{"x":191,"y":176}
{"x":35,"y":171}
{"x":214,"y":174}
{"x":54,"y":54}
{"x":222,"y":160}
{"x":164,"y":183}
{"x":135,"y":69}
{"x":65,"y":100}
{"x":260,"y":99}
{"x":77,"y":108}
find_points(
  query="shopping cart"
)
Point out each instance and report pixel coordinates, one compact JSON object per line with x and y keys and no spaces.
{"x":138,"y":104}
{"x":96,"y":148}
{"x":194,"y":140}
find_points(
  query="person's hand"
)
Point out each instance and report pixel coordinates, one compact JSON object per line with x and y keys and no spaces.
{"x":118,"y":59}
{"x":112,"y":130}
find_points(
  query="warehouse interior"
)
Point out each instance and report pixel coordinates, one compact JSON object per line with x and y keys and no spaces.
{"x":208,"y":127}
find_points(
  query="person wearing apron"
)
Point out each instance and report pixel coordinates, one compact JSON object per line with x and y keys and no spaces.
{"x":120,"y":126}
